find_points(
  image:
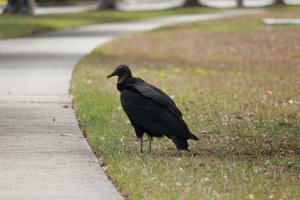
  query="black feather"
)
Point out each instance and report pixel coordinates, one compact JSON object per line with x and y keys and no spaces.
{"x":152,"y":92}
{"x":152,"y":111}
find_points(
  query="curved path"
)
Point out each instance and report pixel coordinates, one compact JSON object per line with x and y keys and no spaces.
{"x":43,"y":154}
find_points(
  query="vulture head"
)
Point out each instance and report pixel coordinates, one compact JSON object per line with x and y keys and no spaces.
{"x":122,"y":71}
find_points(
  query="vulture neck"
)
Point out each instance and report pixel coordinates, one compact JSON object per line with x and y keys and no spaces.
{"x":123,"y":81}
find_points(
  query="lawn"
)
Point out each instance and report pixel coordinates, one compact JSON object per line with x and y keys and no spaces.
{"x":237,"y":83}
{"x":2,"y":2}
{"x":19,"y":25}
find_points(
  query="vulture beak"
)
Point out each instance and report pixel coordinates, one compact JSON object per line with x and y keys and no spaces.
{"x":114,"y":73}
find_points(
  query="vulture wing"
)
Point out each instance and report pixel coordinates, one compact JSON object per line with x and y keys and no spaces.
{"x":153,"y":117}
{"x":156,"y":95}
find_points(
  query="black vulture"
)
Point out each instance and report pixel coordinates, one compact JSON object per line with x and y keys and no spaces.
{"x":150,"y":110}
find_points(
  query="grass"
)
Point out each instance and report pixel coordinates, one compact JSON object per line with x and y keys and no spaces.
{"x":236,"y":81}
{"x":2,"y":2}
{"x":19,"y":26}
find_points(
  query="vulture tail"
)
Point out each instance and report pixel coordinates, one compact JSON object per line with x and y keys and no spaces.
{"x":193,"y":137}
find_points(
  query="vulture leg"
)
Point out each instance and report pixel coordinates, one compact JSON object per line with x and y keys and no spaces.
{"x":139,"y":133}
{"x":150,"y":143}
{"x":141,"y":144}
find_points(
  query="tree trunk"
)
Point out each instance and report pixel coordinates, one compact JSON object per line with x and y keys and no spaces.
{"x":240,"y":3}
{"x":189,"y":3}
{"x":19,"y":7}
{"x":279,"y":1}
{"x":107,"y":4}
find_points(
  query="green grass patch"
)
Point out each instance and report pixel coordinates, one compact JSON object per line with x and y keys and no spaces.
{"x":239,"y":93}
{"x":18,"y":26}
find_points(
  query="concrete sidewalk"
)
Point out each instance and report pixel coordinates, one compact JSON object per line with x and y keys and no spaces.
{"x":43,"y":154}
{"x":66,"y":9}
{"x":62,"y":9}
